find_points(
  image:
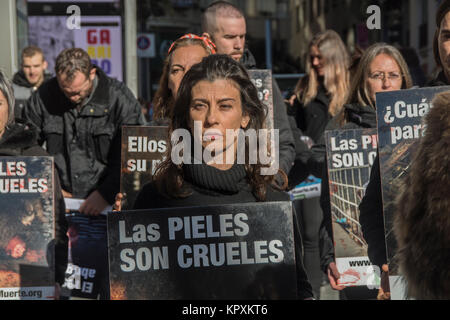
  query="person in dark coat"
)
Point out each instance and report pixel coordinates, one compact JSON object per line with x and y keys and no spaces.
{"x":371,"y":207}
{"x":318,"y":97}
{"x":20,"y":139}
{"x":218,"y":94}
{"x":79,"y":114}
{"x":29,"y":78}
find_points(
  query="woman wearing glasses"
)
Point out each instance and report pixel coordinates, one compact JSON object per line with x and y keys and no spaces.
{"x":381,"y":68}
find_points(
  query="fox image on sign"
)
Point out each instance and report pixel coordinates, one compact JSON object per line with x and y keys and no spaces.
{"x":26,"y":228}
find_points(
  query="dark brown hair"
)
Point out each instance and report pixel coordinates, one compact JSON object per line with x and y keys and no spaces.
{"x":69,"y":61}
{"x":169,"y":176}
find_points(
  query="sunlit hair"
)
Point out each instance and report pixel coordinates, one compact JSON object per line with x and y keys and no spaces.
{"x":218,"y":9}
{"x":163,"y":100}
{"x":336,"y":80}
{"x":31,"y":51}
{"x":359,"y":89}
{"x":73,"y":60}
{"x":169,"y":176}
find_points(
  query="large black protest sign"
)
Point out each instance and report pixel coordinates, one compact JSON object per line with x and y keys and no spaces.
{"x":239,"y":251}
{"x":26,"y":228}
{"x":350,"y":155}
{"x":400,"y":126}
{"x":143,"y":149}
{"x":262,"y":79}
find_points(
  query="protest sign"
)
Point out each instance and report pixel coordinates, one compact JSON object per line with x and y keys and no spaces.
{"x":262,"y":79}
{"x":87,"y":263}
{"x":27,"y":270}
{"x":350,"y":155}
{"x":237,"y":251}
{"x":400,"y":125}
{"x":307,"y":189}
{"x":143,"y":149}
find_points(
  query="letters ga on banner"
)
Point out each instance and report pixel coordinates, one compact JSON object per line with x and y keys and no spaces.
{"x":26,"y":228}
{"x":400,"y":125}
{"x":236,"y":251}
{"x":350,"y":155}
{"x":143,"y":149}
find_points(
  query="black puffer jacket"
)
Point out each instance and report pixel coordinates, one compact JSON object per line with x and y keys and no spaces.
{"x":86,"y":144}
{"x":356,"y":117}
{"x":21,"y":140}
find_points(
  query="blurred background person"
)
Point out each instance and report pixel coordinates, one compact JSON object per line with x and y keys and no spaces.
{"x":319,"y":96}
{"x":32,"y":74}
{"x":19,"y":139}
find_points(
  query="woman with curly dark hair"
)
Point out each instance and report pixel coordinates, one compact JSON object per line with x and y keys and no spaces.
{"x":216,"y":97}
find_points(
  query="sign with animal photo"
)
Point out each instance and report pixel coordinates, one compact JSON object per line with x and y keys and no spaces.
{"x":143,"y":149}
{"x":400,"y":126}
{"x":238,"y":251}
{"x":350,"y":155}
{"x":27,"y":233}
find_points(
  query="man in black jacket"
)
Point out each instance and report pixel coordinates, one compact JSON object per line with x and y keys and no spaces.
{"x":225,"y":25}
{"x":79,"y":115}
{"x":371,"y":206}
{"x":29,"y":78}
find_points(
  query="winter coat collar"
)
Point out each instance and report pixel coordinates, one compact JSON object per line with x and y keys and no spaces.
{"x":440,"y":80}
{"x":17,"y":137}
{"x":248,"y":60}
{"x":20,"y":79}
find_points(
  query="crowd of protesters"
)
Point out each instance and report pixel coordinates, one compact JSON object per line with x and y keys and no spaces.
{"x":78,"y":114}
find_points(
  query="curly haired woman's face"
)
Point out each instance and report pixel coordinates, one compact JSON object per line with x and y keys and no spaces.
{"x":217,"y":105}
{"x":183,"y":58}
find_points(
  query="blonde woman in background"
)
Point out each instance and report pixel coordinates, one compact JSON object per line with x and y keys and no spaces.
{"x":319,"y":96}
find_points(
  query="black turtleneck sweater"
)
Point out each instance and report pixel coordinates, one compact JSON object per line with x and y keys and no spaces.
{"x":208,"y":186}
{"x":211,"y":186}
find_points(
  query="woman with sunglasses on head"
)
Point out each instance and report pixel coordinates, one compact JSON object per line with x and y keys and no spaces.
{"x":381,"y":68}
{"x":182,"y":55}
